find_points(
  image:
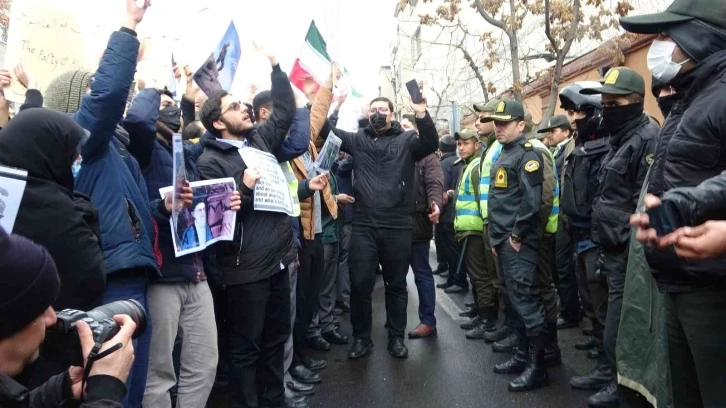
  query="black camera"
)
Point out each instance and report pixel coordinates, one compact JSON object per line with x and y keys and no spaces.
{"x":62,"y":343}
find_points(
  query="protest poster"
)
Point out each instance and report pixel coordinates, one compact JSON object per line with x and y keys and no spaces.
{"x":180,"y":177}
{"x":328,"y":154}
{"x":271,"y":191}
{"x":217,"y":72}
{"x":51,"y":37}
{"x":12,"y":186}
{"x":208,"y":220}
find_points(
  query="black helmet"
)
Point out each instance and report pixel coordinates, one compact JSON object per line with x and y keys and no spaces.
{"x":572,"y":99}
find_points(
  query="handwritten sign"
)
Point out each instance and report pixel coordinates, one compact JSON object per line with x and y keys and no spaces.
{"x":51,"y":37}
{"x":12,"y":186}
{"x":271,"y":191}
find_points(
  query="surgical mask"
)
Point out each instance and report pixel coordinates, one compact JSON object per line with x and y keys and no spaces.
{"x":378,"y":121}
{"x":617,"y":117}
{"x":665,"y":103}
{"x":76,"y":168}
{"x":660,"y":61}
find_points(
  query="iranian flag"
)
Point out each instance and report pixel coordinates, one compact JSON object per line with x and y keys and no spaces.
{"x":312,"y":67}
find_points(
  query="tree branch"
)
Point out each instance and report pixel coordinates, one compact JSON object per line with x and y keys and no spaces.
{"x":548,"y":33}
{"x":489,"y":19}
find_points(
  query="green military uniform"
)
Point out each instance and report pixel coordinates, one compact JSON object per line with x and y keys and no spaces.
{"x":469,"y":226}
{"x":515,"y":204}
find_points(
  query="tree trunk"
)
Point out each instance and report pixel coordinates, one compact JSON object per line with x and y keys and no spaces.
{"x":555,"y":88}
{"x":514,"y":50}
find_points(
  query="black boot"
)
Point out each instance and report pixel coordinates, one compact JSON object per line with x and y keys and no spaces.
{"x":534,"y":375}
{"x":506,"y":345}
{"x":587,"y":344}
{"x":470,"y":324}
{"x":498,"y":335}
{"x":518,"y":362}
{"x":607,"y":397}
{"x":470,"y":313}
{"x":597,"y":379}
{"x":552,"y":353}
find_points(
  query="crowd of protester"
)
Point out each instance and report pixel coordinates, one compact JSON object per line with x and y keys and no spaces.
{"x":544,"y":226}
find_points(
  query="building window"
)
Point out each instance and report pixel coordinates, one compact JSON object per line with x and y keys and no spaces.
{"x":604,"y":70}
{"x":416,"y":44}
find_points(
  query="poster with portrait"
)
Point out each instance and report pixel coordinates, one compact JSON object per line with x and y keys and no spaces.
{"x":12,"y":186}
{"x":208,"y":220}
{"x":328,"y":154}
{"x":217,"y":72}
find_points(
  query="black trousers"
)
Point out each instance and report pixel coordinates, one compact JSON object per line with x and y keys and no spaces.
{"x":696,"y":347}
{"x":440,"y":256}
{"x":309,"y":278}
{"x":391,"y":248}
{"x":258,"y":320}
{"x":452,"y":254}
{"x":564,"y":275}
{"x":613,"y":266}
{"x":521,"y":288}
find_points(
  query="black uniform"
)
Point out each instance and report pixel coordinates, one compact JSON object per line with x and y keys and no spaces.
{"x":515,"y":197}
{"x":621,"y":179}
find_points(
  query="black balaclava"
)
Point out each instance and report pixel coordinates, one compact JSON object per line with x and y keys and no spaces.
{"x":591,"y":127}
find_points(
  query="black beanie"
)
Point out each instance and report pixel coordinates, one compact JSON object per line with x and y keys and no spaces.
{"x":698,"y":39}
{"x":29,"y":282}
{"x":447,"y":144}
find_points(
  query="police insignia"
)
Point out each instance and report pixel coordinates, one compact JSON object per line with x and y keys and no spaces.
{"x":500,"y":107}
{"x":531,"y":166}
{"x":612,"y":77}
{"x":501,"y":180}
{"x":649,"y":159}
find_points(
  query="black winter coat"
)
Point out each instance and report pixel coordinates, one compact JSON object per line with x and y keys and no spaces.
{"x":429,"y":186}
{"x":45,"y":143}
{"x":451,"y":171}
{"x":383,"y":168}
{"x":691,"y":150}
{"x":262,"y":240}
{"x":102,"y":392}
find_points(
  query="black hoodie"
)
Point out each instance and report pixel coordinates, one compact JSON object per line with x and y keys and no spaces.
{"x":45,"y":143}
{"x":691,"y":149}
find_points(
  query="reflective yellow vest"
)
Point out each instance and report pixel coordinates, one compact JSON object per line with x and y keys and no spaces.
{"x":467,"y":204}
{"x":292,"y":185}
{"x":490,"y":157}
{"x":551,"y":227}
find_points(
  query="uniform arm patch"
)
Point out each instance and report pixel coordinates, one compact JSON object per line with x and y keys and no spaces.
{"x":531,"y":166}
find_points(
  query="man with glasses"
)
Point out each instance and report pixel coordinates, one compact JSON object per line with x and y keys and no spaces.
{"x":254,"y":262}
{"x":385,"y":156}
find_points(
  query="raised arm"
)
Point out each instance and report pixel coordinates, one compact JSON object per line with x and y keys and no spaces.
{"x":275,"y":129}
{"x":298,"y":140}
{"x":428,"y":140}
{"x":319,"y":112}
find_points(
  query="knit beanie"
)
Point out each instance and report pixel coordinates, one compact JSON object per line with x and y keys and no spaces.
{"x":29,"y":282}
{"x":66,"y":91}
{"x":447,"y":144}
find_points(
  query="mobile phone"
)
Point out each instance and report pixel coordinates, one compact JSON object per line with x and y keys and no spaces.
{"x":415,"y":91}
{"x":665,"y":218}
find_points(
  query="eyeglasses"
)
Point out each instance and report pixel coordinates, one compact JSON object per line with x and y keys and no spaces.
{"x":382,"y":111}
{"x":234,"y":106}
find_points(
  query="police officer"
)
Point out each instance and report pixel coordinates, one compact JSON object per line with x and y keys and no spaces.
{"x":515,"y":201}
{"x":560,"y":135}
{"x":469,"y":230}
{"x":578,"y":192}
{"x":623,"y":171}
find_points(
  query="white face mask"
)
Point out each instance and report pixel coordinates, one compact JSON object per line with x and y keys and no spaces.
{"x":660,"y":61}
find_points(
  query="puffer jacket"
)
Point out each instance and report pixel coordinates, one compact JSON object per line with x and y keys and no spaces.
{"x":429,"y":187}
{"x":690,"y":151}
{"x":384,"y":168}
{"x":126,"y":225}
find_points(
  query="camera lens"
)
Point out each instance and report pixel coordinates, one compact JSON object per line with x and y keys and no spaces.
{"x":129,"y":307}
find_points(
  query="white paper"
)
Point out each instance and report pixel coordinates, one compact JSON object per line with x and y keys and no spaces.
{"x":328,"y":154}
{"x":210,"y":213}
{"x":12,"y":186}
{"x":271,"y":191}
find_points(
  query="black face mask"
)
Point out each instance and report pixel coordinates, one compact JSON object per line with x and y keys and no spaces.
{"x":171,"y":117}
{"x":616,"y":118}
{"x":665,"y":103}
{"x":590,"y":127}
{"x":378,"y":121}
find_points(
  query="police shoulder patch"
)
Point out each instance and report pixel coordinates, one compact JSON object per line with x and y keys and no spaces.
{"x":531,"y":166}
{"x":649,"y":159}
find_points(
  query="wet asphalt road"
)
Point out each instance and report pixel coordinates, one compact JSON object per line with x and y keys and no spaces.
{"x":447,"y":370}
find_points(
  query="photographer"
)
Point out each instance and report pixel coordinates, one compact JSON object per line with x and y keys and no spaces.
{"x":30,"y":285}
